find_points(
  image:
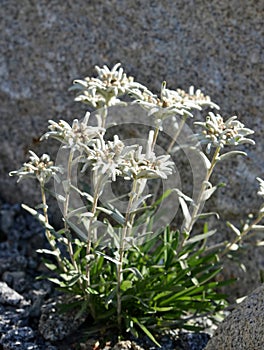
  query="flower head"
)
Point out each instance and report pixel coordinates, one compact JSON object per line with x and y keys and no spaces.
{"x":171,"y":102}
{"x":105,"y":88}
{"x":219,"y":133}
{"x":41,"y":168}
{"x":138,"y":165}
{"x":106,"y":157}
{"x":113,"y":158}
{"x":78,"y":136}
{"x":195,"y":98}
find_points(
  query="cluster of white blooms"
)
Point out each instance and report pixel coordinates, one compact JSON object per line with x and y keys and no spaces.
{"x":171,"y":102}
{"x":78,"y":136}
{"x":41,"y":168}
{"x":111,"y":158}
{"x":105,"y":89}
{"x":106,"y":157}
{"x":138,"y":165}
{"x":116,"y":159}
{"x":195,"y":98}
{"x":217,"y":132}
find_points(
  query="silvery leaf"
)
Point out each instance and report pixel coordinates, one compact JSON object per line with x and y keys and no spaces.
{"x":234,"y":228}
{"x":230,"y":154}
{"x":205,"y":215}
{"x":200,"y":237}
{"x":185,"y":211}
{"x":207,"y":193}
{"x":258,"y":228}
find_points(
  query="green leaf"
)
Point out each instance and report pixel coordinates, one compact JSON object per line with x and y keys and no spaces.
{"x":50,"y":266}
{"x":163,"y":309}
{"x":125,"y":285}
{"x":145,"y":330}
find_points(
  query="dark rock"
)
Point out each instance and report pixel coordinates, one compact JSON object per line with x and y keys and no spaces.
{"x":19,"y":339}
{"x":55,"y":325}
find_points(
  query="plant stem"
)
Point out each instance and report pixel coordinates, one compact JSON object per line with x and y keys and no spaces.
{"x":104,"y":115}
{"x":49,"y":236}
{"x":90,"y":222}
{"x":66,"y":208}
{"x":156,"y":133}
{"x":242,"y":235}
{"x":199,"y":201}
{"x":127,"y":227}
{"x":177,"y":133}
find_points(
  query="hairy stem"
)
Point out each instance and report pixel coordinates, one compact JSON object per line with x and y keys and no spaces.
{"x":127,"y":228}
{"x":156,"y":134}
{"x":90,"y":223}
{"x":242,"y":235}
{"x":66,"y":208}
{"x":199,"y":203}
{"x":49,"y":236}
{"x":177,"y":133}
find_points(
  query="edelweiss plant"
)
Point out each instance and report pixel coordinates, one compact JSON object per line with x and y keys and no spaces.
{"x":166,"y":279}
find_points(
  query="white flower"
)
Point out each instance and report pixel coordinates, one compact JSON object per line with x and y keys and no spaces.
{"x":171,"y":102}
{"x":196,"y":98}
{"x":106,"y":157}
{"x":105,"y":88}
{"x":138,"y":165}
{"x":217,"y":132}
{"x":114,"y":159}
{"x":79,"y":136}
{"x":41,"y":168}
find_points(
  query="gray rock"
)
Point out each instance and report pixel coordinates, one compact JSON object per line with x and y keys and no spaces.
{"x":55,"y":325}
{"x":243,"y":329}
{"x":9,"y":296}
{"x":126,"y":345}
{"x":194,"y":341}
{"x":19,"y":339}
{"x":10,"y":319}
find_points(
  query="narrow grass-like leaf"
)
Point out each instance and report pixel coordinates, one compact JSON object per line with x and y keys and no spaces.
{"x":145,"y":330}
{"x":200,"y":237}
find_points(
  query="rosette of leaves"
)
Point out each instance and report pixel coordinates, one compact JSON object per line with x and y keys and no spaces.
{"x":164,"y":286}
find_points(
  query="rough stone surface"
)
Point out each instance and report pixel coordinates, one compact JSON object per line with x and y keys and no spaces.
{"x":217,"y":46}
{"x":19,"y":339}
{"x":9,"y":296}
{"x":54,"y":325}
{"x":243,"y":329}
